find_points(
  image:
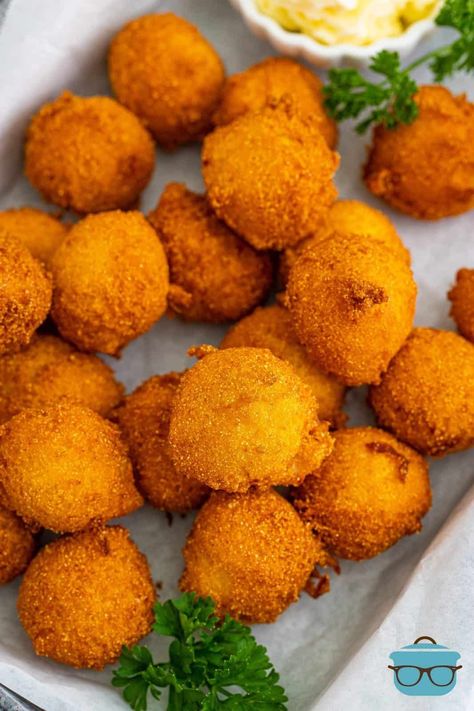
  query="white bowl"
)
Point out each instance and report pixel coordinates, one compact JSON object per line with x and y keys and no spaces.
{"x":297,"y":44}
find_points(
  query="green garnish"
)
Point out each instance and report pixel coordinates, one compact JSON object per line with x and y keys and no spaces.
{"x":390,"y":101}
{"x":212,"y":664}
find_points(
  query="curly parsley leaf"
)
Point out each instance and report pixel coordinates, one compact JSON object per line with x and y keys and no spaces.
{"x":391,"y":102}
{"x":212,"y":665}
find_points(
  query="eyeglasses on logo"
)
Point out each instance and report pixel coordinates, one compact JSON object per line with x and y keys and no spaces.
{"x":425,"y":668}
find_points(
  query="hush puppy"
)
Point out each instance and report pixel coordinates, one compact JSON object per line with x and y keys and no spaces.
{"x":347,"y":217}
{"x":370,"y":492}
{"x":167,"y":73}
{"x":110,"y":281}
{"x":63,"y":467}
{"x":215,"y":275}
{"x":269,"y":175}
{"x":50,"y":369}
{"x":462,"y":303}
{"x":35,"y":229}
{"x":85,"y":596}
{"x":243,"y":417}
{"x":271,"y":80}
{"x":352,"y":305}
{"x":144,"y":420}
{"x":252,"y":554}
{"x":17,"y":546}
{"x":426,"y":397}
{"x":271,"y":328}
{"x":88,"y":154}
{"x":25,"y":295}
{"x":426,"y":169}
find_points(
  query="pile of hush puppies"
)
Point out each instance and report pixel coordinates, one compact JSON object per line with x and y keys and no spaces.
{"x":262,"y":411}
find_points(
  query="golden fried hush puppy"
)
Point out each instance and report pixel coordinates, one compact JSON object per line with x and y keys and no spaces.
{"x":462,"y":302}
{"x":63,"y":467}
{"x":347,"y":217}
{"x":252,"y":554}
{"x":426,"y":169}
{"x":50,"y":369}
{"x":243,"y":417}
{"x":88,"y":154}
{"x":215,"y":275}
{"x":110,"y":281}
{"x":17,"y":546}
{"x":352,"y":305}
{"x":144,"y":419}
{"x":271,"y":80}
{"x":269,"y":175}
{"x":25,"y":295}
{"x":85,"y":596}
{"x":426,"y":397}
{"x":167,"y":73}
{"x":35,"y":229}
{"x":271,"y":328}
{"x":370,"y":492}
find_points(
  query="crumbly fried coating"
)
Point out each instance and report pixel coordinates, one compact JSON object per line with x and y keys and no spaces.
{"x":426,"y":169}
{"x":144,"y":419}
{"x":269,"y":81}
{"x":110,"y":281}
{"x":252,"y":554}
{"x":17,"y":546}
{"x":352,"y":305}
{"x":242,"y":417}
{"x":50,"y":369}
{"x":85,"y":596}
{"x":271,"y":328}
{"x":25,"y":295}
{"x":38,"y":231}
{"x":63,"y":467}
{"x":88,"y":154}
{"x":370,"y":492}
{"x":167,"y":73}
{"x":269,"y":175}
{"x":462,"y":303}
{"x":215,"y":276}
{"x":426,"y":397}
{"x":347,"y":217}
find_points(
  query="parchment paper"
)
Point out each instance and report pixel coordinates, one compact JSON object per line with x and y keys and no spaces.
{"x":332,"y":653}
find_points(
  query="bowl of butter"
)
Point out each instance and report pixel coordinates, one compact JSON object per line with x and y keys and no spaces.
{"x":329,"y":33}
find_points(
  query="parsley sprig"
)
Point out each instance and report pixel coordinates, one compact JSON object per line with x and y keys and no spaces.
{"x":391,"y":101}
{"x":212,"y":665}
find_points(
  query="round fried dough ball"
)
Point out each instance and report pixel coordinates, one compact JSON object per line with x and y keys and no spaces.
{"x":88,"y":154}
{"x":167,"y":73}
{"x":63,"y":467}
{"x":144,"y":419}
{"x":251,"y":553}
{"x":462,"y":303}
{"x":35,"y":229}
{"x":271,"y":80}
{"x":17,"y":546}
{"x":370,"y":492}
{"x":110,"y":281}
{"x":215,"y":275}
{"x":85,"y":596}
{"x":25,"y":295}
{"x":271,"y":328}
{"x":426,"y":169}
{"x":50,"y":369}
{"x":269,"y":176}
{"x":348,"y":217}
{"x":426,"y":397}
{"x":352,"y":305}
{"x":242,"y":417}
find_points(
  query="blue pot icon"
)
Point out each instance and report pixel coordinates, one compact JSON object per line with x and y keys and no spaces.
{"x":425,"y":668}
